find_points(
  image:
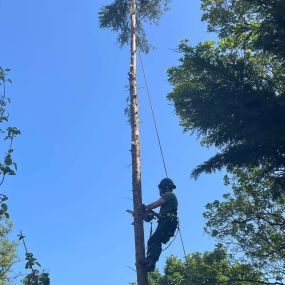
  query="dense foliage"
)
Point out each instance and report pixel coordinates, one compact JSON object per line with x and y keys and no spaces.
{"x":232,"y":94}
{"x":37,"y":278}
{"x":116,"y":17}
{"x":255,"y":24}
{"x":209,"y":268}
{"x":251,"y":222}
{"x":7,"y":251}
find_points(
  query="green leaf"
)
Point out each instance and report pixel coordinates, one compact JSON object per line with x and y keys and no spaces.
{"x":4,"y":207}
{"x":8,"y":159}
{"x":3,"y":198}
{"x":8,"y":170}
{"x":3,"y":119}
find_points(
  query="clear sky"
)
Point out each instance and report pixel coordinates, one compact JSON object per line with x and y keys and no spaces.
{"x":74,"y":179}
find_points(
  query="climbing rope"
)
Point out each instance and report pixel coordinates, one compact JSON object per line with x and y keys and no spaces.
{"x":161,"y":152}
{"x":152,"y":112}
{"x":181,"y":239}
{"x":187,"y":269}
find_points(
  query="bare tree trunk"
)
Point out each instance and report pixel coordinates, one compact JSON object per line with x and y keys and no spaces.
{"x":136,"y":161}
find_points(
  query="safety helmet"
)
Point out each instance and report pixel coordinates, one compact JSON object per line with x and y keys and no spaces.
{"x":166,"y":184}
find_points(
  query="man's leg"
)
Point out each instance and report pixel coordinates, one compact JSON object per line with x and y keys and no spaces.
{"x":162,"y":234}
{"x":153,"y":250}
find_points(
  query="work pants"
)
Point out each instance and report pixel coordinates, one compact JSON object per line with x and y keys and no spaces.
{"x":164,"y":231}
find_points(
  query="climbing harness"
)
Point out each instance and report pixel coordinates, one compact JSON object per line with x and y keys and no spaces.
{"x":177,"y":230}
{"x":174,"y":237}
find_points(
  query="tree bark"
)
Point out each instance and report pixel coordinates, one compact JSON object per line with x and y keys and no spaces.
{"x":136,"y":160}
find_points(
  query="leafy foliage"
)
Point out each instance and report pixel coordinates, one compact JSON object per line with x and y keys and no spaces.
{"x":208,"y":268}
{"x":251,"y":221}
{"x":255,"y":24}
{"x":35,"y":277}
{"x":7,"y":167}
{"x":233,"y":94}
{"x":116,"y":17}
{"x":7,"y":251}
{"x":3,"y":207}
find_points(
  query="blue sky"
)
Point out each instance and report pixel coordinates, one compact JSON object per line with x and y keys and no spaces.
{"x":74,"y":179}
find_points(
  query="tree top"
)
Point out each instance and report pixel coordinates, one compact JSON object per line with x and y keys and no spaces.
{"x":116,"y":16}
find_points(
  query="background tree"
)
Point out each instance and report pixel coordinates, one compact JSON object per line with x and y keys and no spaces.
{"x":232,"y":94}
{"x":7,"y":251}
{"x":249,"y":221}
{"x":209,"y":268}
{"x":7,"y":167}
{"x":258,"y":24}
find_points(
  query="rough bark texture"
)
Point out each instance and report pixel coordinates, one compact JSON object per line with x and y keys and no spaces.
{"x":136,"y":161}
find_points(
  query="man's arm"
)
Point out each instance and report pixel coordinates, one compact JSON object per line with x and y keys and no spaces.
{"x":155,"y":204}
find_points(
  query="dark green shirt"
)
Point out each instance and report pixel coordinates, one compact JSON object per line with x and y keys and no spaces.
{"x":170,"y":205}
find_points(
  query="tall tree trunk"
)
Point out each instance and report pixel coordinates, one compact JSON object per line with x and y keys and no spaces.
{"x":136,"y":161}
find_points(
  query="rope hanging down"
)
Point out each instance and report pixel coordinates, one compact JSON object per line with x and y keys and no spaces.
{"x":161,"y":151}
{"x":153,"y":116}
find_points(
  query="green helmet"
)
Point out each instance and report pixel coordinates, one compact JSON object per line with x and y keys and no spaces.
{"x":166,"y":184}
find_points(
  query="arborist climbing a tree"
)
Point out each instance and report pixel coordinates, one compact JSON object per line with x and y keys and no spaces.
{"x":167,"y":222}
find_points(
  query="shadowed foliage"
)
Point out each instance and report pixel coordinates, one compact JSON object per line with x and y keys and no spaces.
{"x":209,"y":268}
{"x":232,"y":94}
{"x":250,"y":221}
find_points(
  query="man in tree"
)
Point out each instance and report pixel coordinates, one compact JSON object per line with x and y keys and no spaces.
{"x":167,"y":222}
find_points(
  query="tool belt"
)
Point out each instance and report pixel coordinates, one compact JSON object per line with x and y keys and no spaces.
{"x":169,"y":215}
